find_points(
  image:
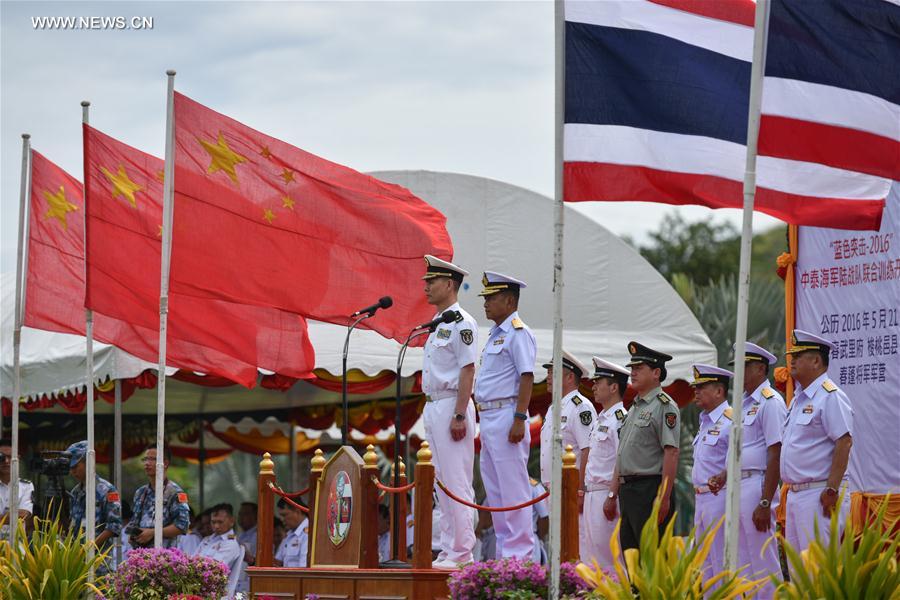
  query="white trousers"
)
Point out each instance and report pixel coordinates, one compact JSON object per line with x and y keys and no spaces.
{"x":598,"y":530}
{"x":759,"y":562}
{"x":504,"y":471}
{"x":804,"y":515}
{"x":453,"y":463}
{"x":708,"y":509}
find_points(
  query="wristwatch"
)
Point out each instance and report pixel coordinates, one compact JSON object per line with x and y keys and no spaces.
{"x":611,"y":495}
{"x":831,"y":490}
{"x":764,"y":503}
{"x":521,"y":416}
{"x":459,"y":417}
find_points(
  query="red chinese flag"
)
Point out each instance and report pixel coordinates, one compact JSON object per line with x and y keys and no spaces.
{"x":124,"y":233}
{"x":55,"y":288}
{"x":265,"y":223}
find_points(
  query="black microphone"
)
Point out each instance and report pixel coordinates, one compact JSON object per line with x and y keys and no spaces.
{"x":447,"y":317}
{"x":385,"y":302}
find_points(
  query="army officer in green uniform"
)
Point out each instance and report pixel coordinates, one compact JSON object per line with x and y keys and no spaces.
{"x":648,"y":448}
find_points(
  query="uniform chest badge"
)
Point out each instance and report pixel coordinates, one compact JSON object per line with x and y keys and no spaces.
{"x":563,"y":418}
{"x":499,"y":341}
{"x":602,"y":428}
{"x":645,"y":414}
{"x":752,"y":411}
{"x":808,"y":409}
{"x":713,"y":432}
{"x":443,"y":334}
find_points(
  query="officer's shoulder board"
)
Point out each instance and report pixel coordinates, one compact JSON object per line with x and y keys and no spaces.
{"x":576,"y":400}
{"x":768,"y":392}
{"x":112,"y":496}
{"x":25,"y":481}
{"x":828,"y":386}
{"x":620,"y":414}
{"x":664,"y":397}
{"x":459,"y":317}
{"x":182,"y":497}
{"x":517,"y":323}
{"x":727,"y":413}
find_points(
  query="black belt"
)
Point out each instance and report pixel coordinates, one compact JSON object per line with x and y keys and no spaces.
{"x":632,"y":478}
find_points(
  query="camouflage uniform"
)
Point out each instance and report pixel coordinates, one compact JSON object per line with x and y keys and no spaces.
{"x":175,"y":509}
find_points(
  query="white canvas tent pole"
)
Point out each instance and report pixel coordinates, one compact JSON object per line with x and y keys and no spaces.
{"x":90,"y":482}
{"x":117,"y":456}
{"x":733,"y":483}
{"x":24,"y":185}
{"x":559,"y":212}
{"x":168,"y":201}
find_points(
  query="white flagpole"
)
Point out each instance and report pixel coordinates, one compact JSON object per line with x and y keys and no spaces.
{"x":733,"y":483}
{"x":168,"y":200}
{"x":117,"y":458}
{"x":90,"y":482}
{"x":24,"y":185}
{"x":559,"y":212}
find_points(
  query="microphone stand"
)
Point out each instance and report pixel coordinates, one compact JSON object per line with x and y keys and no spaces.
{"x":345,"y":427}
{"x":396,"y":563}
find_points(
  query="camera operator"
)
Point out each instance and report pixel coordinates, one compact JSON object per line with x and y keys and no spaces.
{"x":108,"y":511}
{"x":176,"y":517}
{"x":26,"y":490}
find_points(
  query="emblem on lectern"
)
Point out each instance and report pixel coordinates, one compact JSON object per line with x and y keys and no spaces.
{"x":340,"y":508}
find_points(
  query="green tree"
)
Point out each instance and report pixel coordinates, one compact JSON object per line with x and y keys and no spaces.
{"x":703,"y":251}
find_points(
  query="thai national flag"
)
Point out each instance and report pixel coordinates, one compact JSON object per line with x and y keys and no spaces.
{"x":657,"y":96}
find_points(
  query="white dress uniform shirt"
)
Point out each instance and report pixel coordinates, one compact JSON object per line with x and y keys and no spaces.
{"x":293,"y":548}
{"x":26,"y":502}
{"x":221,"y":547}
{"x":508,"y":353}
{"x":576,"y":422}
{"x":604,"y":444}
{"x":450,"y":347}
{"x":816,"y":420}
{"x":598,"y":474}
{"x":710,"y":453}
{"x":764,"y":414}
{"x":26,"y":496}
{"x":819,"y":415}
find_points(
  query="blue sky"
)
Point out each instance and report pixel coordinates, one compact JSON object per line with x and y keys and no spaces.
{"x":445,"y":86}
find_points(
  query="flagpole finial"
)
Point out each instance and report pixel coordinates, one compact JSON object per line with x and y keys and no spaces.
{"x":85,"y":103}
{"x":171,"y":72}
{"x":26,"y":136}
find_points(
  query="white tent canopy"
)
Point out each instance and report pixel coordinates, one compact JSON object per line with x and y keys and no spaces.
{"x":612,"y":296}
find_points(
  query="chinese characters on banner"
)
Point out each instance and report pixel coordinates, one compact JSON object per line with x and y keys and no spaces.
{"x":848,"y":290}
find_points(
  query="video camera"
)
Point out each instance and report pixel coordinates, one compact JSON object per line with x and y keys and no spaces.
{"x":52,"y":463}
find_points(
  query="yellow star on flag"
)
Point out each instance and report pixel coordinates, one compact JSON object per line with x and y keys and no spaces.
{"x":287,"y":202}
{"x":223,"y":158}
{"x":287,"y":175}
{"x":159,"y":234}
{"x":59,"y":207}
{"x":161,"y":175}
{"x":122,"y":185}
{"x":269,"y":216}
{"x":265,"y":152}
